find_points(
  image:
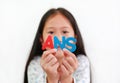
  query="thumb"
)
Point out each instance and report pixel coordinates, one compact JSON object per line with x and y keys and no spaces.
{"x":59,"y":55}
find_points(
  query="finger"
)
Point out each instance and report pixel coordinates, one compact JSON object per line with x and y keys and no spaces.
{"x":70,"y":60}
{"x":72,"y":63}
{"x":45,"y":53}
{"x":69,"y":54}
{"x":64,"y":70}
{"x":51,"y":64}
{"x":68,"y":66}
{"x":48,"y":58}
{"x":56,"y":65}
{"x":59,"y":54}
{"x":52,"y":61}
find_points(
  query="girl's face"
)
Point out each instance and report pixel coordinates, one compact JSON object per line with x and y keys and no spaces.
{"x":57,"y":25}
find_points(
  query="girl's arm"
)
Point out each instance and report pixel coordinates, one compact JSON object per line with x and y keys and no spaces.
{"x":82,"y":74}
{"x":35,"y":72}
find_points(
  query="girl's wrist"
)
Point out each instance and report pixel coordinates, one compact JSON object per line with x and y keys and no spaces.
{"x":49,"y":80}
{"x":67,"y":80}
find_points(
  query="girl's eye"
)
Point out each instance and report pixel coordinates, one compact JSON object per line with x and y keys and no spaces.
{"x":50,"y":32}
{"x":65,"y":32}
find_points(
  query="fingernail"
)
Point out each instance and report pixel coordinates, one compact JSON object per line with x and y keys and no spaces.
{"x":64,"y":49}
{"x":59,"y":48}
{"x":55,"y":49}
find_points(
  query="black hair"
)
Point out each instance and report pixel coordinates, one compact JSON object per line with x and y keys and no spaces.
{"x":37,"y":47}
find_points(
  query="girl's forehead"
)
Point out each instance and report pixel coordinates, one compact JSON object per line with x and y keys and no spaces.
{"x":57,"y":21}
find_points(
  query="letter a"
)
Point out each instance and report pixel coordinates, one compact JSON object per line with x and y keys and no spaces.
{"x":48,"y":43}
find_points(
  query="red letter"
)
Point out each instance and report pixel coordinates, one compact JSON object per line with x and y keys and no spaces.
{"x":48,"y":43}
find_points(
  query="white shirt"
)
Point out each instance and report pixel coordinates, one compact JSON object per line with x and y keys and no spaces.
{"x":37,"y":75}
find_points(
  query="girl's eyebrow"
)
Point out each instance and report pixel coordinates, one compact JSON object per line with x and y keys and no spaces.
{"x":55,"y":27}
{"x":50,"y":27}
{"x":64,"y":27}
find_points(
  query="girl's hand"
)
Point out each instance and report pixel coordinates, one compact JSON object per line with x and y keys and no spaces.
{"x":68,"y":66}
{"x":50,"y":65}
{"x":59,"y":55}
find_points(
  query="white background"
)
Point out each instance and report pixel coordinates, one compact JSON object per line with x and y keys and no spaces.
{"x":98,"y":20}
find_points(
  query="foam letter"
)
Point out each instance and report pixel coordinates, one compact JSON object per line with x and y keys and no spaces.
{"x":58,"y":43}
{"x":71,"y":44}
{"x":48,"y":43}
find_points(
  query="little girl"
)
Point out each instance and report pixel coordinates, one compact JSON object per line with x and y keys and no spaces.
{"x":57,"y":65}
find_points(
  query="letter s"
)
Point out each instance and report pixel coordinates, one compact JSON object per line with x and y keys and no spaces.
{"x":71,"y":44}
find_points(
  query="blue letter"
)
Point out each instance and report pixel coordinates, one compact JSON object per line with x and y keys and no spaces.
{"x":58,"y":43}
{"x":71,"y":44}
